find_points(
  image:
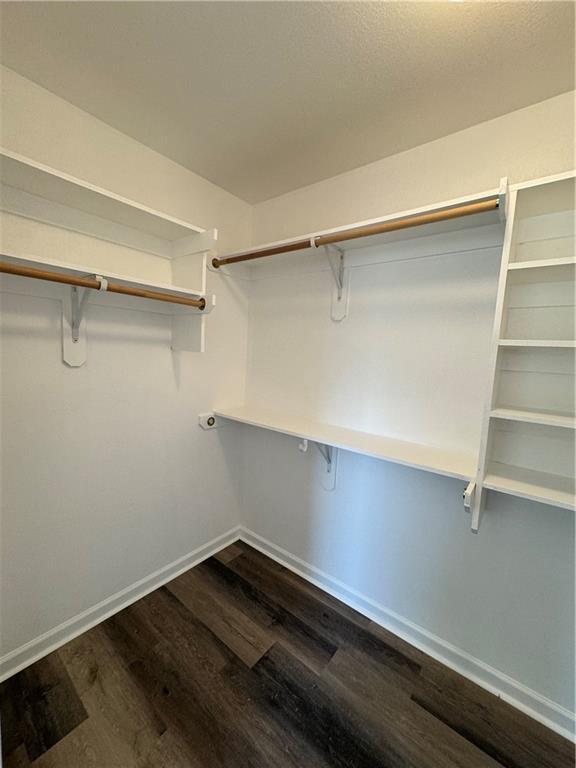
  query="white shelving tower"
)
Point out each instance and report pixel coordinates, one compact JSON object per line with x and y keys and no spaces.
{"x":528,"y":437}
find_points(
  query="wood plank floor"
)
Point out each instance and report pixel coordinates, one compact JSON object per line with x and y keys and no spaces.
{"x":239,"y":663}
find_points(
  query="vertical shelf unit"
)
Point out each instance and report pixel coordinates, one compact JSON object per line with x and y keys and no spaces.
{"x":31,"y":190}
{"x":528,"y":434}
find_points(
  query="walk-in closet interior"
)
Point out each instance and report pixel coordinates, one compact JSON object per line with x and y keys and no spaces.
{"x":287,"y":379}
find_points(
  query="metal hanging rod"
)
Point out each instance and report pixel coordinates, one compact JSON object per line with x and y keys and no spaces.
{"x":97,"y":284}
{"x":365,"y":231}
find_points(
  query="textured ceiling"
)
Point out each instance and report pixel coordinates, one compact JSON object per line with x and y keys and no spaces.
{"x":265,"y":97}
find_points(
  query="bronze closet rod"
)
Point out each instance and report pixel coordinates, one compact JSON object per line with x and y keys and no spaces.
{"x":364,"y":231}
{"x":91,"y":282}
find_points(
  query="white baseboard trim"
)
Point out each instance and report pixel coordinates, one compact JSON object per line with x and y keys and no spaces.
{"x":50,"y":641}
{"x":530,"y":702}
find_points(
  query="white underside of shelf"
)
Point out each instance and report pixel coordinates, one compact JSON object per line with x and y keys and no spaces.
{"x":424,"y":457}
{"x":35,"y":178}
{"x":532,"y":416}
{"x":31,"y":190}
{"x":550,"y":489}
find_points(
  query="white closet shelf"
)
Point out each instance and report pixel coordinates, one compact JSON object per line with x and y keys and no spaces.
{"x":542,"y":263}
{"x":36,"y":191}
{"x":38,"y":179}
{"x":125,"y":280}
{"x":549,"y":271}
{"x":425,"y":457}
{"x":566,"y":343}
{"x":556,"y":490}
{"x":531,"y":416}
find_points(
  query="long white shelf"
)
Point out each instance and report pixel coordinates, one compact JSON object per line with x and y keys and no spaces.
{"x":425,"y":457}
{"x":36,"y":191}
{"x":532,"y":416}
{"x":85,"y":271}
{"x":555,"y":490}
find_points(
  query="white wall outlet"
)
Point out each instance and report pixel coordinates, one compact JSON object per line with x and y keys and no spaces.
{"x":207,"y":421}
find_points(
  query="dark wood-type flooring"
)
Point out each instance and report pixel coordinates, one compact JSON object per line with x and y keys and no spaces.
{"x":239,"y":663}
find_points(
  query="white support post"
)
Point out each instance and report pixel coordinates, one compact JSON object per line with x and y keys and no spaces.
{"x":492,"y":384}
{"x":78,"y":300}
{"x":189,"y":267}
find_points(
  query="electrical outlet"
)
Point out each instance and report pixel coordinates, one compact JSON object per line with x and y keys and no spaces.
{"x":207,"y":421}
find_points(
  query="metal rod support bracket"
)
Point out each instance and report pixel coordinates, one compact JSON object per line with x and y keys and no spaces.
{"x":74,"y":322}
{"x":78,"y":299}
{"x":74,"y":326}
{"x":335,"y":256}
{"x":340,"y":292}
{"x":327,"y":452}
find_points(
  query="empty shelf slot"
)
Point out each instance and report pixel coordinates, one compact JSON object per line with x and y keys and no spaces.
{"x":540,"y":304}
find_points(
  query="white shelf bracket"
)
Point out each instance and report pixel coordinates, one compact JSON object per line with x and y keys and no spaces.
{"x":78,"y":299}
{"x":327,"y":453}
{"x":74,"y":327}
{"x":330,"y":456}
{"x":341,"y":289}
{"x":502,"y":198}
{"x":74,"y":323}
{"x":335,"y":256}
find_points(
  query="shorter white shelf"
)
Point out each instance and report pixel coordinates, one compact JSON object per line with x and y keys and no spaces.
{"x":38,"y":179}
{"x":425,"y":457}
{"x":36,"y":191}
{"x":566,"y":343}
{"x":556,"y":490}
{"x":567,"y":261}
{"x":160,"y":307}
{"x":531,"y":416}
{"x":545,"y":271}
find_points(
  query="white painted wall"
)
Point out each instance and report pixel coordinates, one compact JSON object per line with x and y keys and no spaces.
{"x":526,"y":144}
{"x":106,"y":477}
{"x":396,"y":539}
